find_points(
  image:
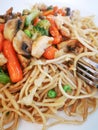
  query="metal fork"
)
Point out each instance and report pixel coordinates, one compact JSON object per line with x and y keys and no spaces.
{"x":87,"y":70}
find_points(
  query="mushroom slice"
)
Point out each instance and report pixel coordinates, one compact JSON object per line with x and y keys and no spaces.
{"x":11,"y":28}
{"x":22,"y":44}
{"x":72,"y":45}
{"x":39,"y":46}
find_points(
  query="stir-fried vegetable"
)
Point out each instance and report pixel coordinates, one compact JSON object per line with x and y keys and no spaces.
{"x":1,"y":27}
{"x":1,"y":41}
{"x":36,"y":20}
{"x":4,"y":78}
{"x":48,"y":12}
{"x":54,"y":31}
{"x":50,"y":52}
{"x":52,"y":93}
{"x":13,"y":65}
{"x":28,"y":33}
{"x":44,"y":24}
{"x":30,"y":17}
{"x":41,"y":28}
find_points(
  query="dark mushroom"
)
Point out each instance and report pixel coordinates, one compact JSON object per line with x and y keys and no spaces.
{"x":22,"y":44}
{"x":71,"y":45}
{"x":11,"y":28}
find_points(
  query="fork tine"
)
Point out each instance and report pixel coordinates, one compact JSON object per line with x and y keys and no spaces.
{"x":88,"y":81}
{"x":94,"y":64}
{"x":88,"y":74}
{"x":85,"y":73}
{"x":87,"y":68}
{"x":85,"y":79}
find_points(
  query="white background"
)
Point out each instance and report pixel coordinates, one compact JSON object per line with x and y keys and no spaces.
{"x":87,"y":7}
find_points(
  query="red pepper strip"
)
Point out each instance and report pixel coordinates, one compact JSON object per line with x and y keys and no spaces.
{"x":1,"y":41}
{"x":54,"y":31}
{"x":13,"y":65}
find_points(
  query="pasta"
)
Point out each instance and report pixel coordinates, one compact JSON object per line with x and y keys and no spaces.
{"x":28,"y":99}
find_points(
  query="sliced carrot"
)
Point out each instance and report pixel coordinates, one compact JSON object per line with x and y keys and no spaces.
{"x":54,"y":31}
{"x":55,"y":9}
{"x":1,"y":27}
{"x":50,"y":52}
{"x":13,"y":65}
{"x":48,"y":12}
{"x":61,"y":12}
{"x":36,"y":20}
{"x":1,"y":41}
{"x":57,"y":39}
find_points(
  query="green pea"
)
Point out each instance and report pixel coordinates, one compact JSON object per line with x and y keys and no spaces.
{"x":52,"y":93}
{"x":28,"y":33}
{"x":67,"y":88}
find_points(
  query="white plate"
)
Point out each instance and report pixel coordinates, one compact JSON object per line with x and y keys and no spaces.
{"x":87,"y":7}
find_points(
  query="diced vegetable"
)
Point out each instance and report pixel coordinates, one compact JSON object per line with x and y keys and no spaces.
{"x":67,"y":88}
{"x":4,"y":78}
{"x":44,"y":24}
{"x":48,"y":12}
{"x":52,"y":93}
{"x":13,"y":65}
{"x":1,"y":41}
{"x":41,"y":28}
{"x":61,"y":12}
{"x":1,"y":27}
{"x":54,"y":31}
{"x":28,"y":33}
{"x":50,"y":52}
{"x":35,"y":12}
{"x":36,"y":20}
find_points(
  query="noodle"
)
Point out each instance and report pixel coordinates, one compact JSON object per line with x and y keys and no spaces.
{"x":28,"y":99}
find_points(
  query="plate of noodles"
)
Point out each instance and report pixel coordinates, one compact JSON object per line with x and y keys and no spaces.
{"x":40,"y":45}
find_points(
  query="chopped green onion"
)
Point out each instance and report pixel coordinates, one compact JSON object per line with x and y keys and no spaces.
{"x":52,"y":94}
{"x":67,"y":88}
{"x":28,"y":33}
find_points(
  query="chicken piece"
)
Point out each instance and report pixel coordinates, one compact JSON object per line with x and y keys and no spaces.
{"x":62,"y":24}
{"x":39,"y":46}
{"x":3,"y":59}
